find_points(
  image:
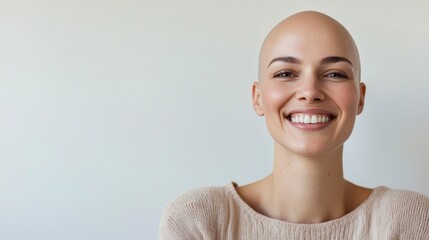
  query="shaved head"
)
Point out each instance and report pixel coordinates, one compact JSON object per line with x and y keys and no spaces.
{"x":309,"y":68}
{"x":308,"y":35}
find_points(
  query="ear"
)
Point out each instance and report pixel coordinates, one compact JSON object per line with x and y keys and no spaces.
{"x":257,"y":99}
{"x":362,"y":87}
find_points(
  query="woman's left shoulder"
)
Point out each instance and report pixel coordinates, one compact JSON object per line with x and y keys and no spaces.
{"x":402,"y":212}
{"x":402,"y":198}
{"x":407,"y":207}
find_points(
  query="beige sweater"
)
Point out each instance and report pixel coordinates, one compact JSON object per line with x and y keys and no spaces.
{"x":220,"y":213}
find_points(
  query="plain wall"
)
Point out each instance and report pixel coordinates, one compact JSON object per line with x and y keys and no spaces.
{"x":109,"y":109}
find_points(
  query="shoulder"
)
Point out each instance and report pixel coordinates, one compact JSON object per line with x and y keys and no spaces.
{"x":408,"y":211}
{"x":198,"y":199}
{"x":403,"y":199}
{"x":188,"y":215}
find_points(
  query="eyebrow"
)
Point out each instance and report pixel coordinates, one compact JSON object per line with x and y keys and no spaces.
{"x":287,"y":59}
{"x":326,"y":60}
{"x":334,"y":59}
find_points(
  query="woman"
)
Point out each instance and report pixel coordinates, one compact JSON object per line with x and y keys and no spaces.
{"x":309,"y":92}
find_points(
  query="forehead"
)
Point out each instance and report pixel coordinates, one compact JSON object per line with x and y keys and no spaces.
{"x":309,"y":36}
{"x":308,"y":44}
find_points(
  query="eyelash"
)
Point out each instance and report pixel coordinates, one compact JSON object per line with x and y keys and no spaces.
{"x":282,"y":74}
{"x":337,"y":75}
{"x":289,"y":74}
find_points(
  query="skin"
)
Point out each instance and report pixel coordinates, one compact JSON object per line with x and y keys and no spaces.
{"x":308,"y":64}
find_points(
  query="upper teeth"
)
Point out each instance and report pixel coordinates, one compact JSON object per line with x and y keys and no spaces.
{"x":306,"y":118}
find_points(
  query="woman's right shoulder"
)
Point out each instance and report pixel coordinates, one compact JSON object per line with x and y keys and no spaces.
{"x":188,"y":215}
{"x":200,"y":198}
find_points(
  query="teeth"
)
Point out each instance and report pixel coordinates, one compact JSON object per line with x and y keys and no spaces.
{"x":306,"y":119}
{"x":314,"y":119}
{"x":310,"y":118}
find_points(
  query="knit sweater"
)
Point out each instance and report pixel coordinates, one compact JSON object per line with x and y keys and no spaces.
{"x":220,"y":213}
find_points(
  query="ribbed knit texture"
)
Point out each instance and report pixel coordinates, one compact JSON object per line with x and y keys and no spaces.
{"x":220,"y":213}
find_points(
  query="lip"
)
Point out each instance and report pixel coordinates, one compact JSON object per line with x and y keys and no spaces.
{"x":311,"y":111}
{"x":312,"y":126}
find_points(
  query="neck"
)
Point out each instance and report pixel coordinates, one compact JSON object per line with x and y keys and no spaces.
{"x":306,"y":189}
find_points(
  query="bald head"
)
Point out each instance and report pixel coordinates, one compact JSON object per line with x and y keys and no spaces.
{"x":308,"y":36}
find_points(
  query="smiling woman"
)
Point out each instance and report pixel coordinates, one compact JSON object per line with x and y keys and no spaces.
{"x":309,"y":92}
{"x":313,"y":71}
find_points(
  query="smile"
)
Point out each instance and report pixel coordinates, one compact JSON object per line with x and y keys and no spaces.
{"x":310,"y":118}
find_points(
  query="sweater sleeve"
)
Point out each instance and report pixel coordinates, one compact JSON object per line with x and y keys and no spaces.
{"x":190,"y":216}
{"x":176,"y":222}
{"x":415,"y":216}
{"x":169,"y":227}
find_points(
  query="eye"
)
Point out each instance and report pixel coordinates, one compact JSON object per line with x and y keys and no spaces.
{"x":284,"y":74}
{"x":337,"y":75}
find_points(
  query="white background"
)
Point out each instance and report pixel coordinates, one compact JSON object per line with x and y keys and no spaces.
{"x":109,"y":109}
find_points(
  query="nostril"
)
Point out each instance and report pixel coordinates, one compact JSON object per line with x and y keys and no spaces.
{"x":317,"y":99}
{"x":310,"y":94}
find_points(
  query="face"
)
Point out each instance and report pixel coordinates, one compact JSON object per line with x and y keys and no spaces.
{"x":309,"y":89}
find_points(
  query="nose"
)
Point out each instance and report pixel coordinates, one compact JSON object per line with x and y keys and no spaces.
{"x":310,"y":91}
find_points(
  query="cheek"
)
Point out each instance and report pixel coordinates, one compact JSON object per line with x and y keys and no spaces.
{"x":347,"y":99}
{"x":275,"y":96}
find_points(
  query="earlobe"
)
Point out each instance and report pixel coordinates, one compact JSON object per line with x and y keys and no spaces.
{"x":362,"y":88}
{"x":257,"y":99}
